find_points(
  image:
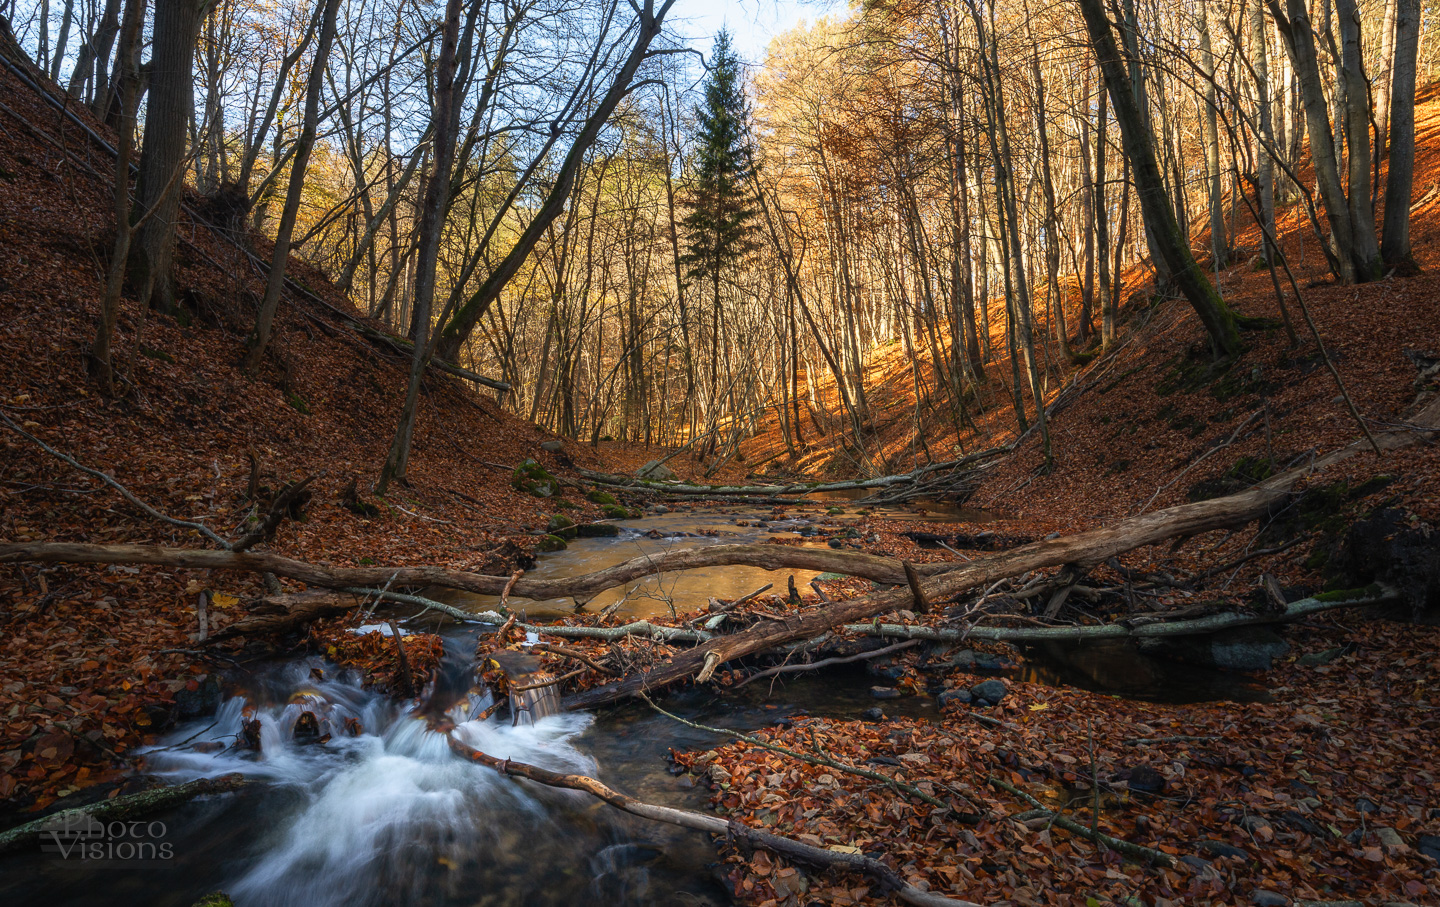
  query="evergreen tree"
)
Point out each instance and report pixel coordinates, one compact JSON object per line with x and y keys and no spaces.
{"x":719,"y":223}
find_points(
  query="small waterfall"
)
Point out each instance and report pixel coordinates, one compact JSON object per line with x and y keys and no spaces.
{"x":530,"y":705}
{"x":381,"y":811}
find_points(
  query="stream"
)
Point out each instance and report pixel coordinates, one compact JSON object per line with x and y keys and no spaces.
{"x":384,"y":813}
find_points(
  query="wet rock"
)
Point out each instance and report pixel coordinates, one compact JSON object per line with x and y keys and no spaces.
{"x":559,"y":524}
{"x":549,"y":543}
{"x":1264,"y":898}
{"x":873,"y":714}
{"x":990,"y":692}
{"x":199,"y":702}
{"x":655,"y":471}
{"x":955,"y":698}
{"x":884,"y":693}
{"x":835,"y":543}
{"x":531,"y":478}
{"x":660,"y":509}
{"x":1221,"y":849}
{"x":601,"y":497}
{"x":1429,"y":845}
{"x":885,"y":671}
{"x":307,"y":729}
{"x":1142,"y":779}
{"x":1390,"y":838}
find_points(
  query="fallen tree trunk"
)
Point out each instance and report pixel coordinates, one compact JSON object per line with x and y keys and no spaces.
{"x":128,"y":806}
{"x":1080,"y":551}
{"x":785,"y":847}
{"x":586,"y":586}
{"x":682,"y":488}
{"x":1148,"y":626}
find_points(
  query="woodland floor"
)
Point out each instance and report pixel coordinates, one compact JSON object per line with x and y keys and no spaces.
{"x":1302,"y":784}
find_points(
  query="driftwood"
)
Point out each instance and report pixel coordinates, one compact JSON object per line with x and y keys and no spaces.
{"x":129,"y":806}
{"x":785,"y":847}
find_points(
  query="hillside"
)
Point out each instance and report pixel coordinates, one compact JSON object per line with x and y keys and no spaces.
{"x":84,"y":656}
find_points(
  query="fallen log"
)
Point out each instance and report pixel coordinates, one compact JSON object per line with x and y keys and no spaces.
{"x":129,"y":806}
{"x":1079,"y":551}
{"x":1131,"y":628}
{"x":768,"y":557}
{"x":793,"y":488}
{"x":684,"y":818}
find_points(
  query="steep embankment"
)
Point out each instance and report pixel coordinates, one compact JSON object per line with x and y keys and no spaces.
{"x":84,"y":663}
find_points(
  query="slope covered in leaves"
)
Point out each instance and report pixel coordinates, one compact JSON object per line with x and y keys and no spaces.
{"x":88,"y":666}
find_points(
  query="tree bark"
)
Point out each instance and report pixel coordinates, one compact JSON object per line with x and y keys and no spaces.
{"x":169,"y":106}
{"x":275,"y":285}
{"x":1173,"y":247}
{"x":1395,"y":246}
{"x":1357,"y":141}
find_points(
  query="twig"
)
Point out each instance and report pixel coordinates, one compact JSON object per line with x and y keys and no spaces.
{"x":575,"y":654}
{"x":1129,"y":849}
{"x":124,"y":492}
{"x":825,"y":761}
{"x":1200,"y":459}
{"x":827,"y":662}
{"x":547,"y":683}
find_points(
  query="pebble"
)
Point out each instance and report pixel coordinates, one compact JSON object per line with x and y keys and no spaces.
{"x":873,"y":714}
{"x":990,"y":691}
{"x":884,"y":692}
{"x":1221,"y":849}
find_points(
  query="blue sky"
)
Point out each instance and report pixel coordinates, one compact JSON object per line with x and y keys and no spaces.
{"x":752,"y":23}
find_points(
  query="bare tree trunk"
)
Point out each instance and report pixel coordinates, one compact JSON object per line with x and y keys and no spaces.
{"x":1396,"y":246}
{"x":442,"y":126}
{"x":1357,"y":139}
{"x":168,"y":108}
{"x":101,"y":367}
{"x":1219,"y":247}
{"x":1300,"y":44}
{"x":276,"y":283}
{"x":1150,"y":186}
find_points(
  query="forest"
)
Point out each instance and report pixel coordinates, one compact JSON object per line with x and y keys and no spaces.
{"x":944,"y":452}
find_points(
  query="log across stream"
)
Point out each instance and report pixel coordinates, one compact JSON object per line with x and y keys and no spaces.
{"x":384,"y":813}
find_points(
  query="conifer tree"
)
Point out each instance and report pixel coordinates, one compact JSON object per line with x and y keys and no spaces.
{"x":719,"y":223}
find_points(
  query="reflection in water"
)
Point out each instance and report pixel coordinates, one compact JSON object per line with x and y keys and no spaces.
{"x":1116,"y":666}
{"x":654,"y":596}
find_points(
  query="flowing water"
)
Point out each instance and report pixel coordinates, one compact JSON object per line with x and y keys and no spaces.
{"x":382,"y":812}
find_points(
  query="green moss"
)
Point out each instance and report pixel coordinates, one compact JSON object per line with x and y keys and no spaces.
{"x":1345,"y":595}
{"x":562,"y":504}
{"x":297,"y":403}
{"x":531,"y":478}
{"x":561,"y":525}
{"x":1317,"y":559}
{"x":601,"y":497}
{"x":215,"y":899}
{"x":835,"y":511}
{"x":149,"y":352}
{"x":597,"y":530}
{"x":550,"y":543}
{"x":367,"y":561}
{"x":616,"y":512}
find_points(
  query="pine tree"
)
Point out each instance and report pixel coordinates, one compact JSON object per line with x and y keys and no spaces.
{"x":719,"y":224}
